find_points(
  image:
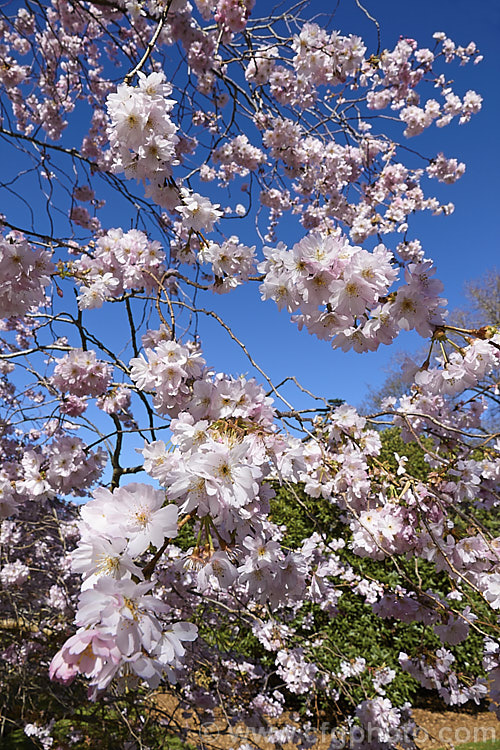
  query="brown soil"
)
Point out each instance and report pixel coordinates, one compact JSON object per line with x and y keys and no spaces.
{"x":447,"y":728}
{"x":437,"y":729}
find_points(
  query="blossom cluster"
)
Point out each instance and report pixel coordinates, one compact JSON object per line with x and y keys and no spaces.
{"x":169,"y":370}
{"x":80,"y":373}
{"x":119,"y":261}
{"x":118,"y":618}
{"x":141,"y":133}
{"x":237,"y":157}
{"x":197,"y":212}
{"x":342,"y":291}
{"x":62,"y":467}
{"x":438,"y":674}
{"x":232,"y":263}
{"x":25,"y":275}
{"x":233,"y":14}
{"x":461,"y":369}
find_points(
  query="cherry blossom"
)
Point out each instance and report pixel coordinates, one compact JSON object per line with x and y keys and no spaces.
{"x":214,"y":150}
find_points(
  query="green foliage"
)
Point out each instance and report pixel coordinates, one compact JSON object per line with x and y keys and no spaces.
{"x":107,"y":724}
{"x":392,"y":443}
{"x":488,"y":745}
{"x":17,"y":740}
{"x":356,"y":630}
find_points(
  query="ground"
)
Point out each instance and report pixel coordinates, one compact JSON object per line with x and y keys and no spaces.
{"x":437,"y":729}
